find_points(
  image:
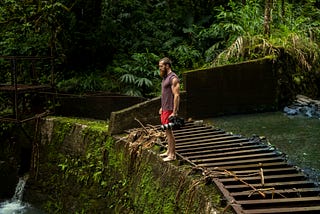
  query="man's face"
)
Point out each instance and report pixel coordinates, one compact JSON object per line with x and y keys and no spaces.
{"x":163,"y":69}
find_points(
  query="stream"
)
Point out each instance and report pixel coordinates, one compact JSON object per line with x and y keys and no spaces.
{"x":15,"y":205}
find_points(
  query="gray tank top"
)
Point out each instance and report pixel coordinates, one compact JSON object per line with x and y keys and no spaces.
{"x":166,"y":92}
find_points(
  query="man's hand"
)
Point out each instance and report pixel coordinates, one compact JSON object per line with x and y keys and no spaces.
{"x":173,"y":115}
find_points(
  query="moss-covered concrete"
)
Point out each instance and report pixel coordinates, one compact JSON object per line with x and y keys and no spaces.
{"x":81,"y":169}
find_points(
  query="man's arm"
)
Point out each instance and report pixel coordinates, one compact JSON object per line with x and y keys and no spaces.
{"x":175,"y":87}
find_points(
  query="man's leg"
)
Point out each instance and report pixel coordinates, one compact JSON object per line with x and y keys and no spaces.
{"x":164,"y":117}
{"x":171,"y":153}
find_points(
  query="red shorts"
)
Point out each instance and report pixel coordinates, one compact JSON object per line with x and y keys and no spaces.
{"x":165,"y":116}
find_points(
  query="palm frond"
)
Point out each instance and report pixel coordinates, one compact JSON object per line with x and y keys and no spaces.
{"x":128,"y":78}
{"x":143,"y":82}
{"x":304,"y":51}
{"x":234,"y":50}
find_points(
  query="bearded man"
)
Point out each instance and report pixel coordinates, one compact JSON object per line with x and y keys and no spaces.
{"x":170,"y":99}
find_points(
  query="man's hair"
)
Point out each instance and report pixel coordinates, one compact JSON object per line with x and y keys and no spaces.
{"x":166,"y":61}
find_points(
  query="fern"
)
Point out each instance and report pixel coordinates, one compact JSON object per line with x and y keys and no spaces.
{"x":128,"y":78}
{"x":140,"y":74}
{"x":144,"y":82}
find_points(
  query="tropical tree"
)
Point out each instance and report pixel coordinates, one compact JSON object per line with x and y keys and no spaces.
{"x":31,"y":27}
{"x":267,"y":17}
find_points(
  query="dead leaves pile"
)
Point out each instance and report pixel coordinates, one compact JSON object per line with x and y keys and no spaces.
{"x":144,"y":137}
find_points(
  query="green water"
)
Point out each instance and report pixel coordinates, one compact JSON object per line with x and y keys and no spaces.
{"x":296,"y":136}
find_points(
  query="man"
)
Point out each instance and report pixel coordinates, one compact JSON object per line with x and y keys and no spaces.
{"x":170,"y":99}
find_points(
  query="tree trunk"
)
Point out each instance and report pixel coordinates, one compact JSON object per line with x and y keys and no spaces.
{"x":267,"y":17}
{"x":283,"y":11}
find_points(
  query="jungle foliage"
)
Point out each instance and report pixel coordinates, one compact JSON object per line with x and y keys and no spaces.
{"x":115,"y":45}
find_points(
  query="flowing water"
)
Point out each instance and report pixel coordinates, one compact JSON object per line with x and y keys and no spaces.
{"x":296,"y":136}
{"x":15,"y":205}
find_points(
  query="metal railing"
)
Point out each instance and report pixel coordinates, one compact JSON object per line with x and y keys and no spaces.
{"x":21,"y":76}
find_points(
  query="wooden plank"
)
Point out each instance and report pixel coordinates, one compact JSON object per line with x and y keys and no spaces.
{"x":214,"y":146}
{"x":255,"y":166}
{"x":248,"y":161}
{"x":266,"y":171}
{"x":279,"y":191}
{"x":186,"y":130}
{"x":219,"y":149}
{"x":197,"y":131}
{"x":211,"y":137}
{"x":230,"y":154}
{"x":277,"y":185}
{"x":267,"y":177}
{"x":242,"y":157}
{"x":202,"y":143}
{"x":197,"y":134}
{"x":280,"y":200}
{"x":208,"y":140}
{"x":279,"y":210}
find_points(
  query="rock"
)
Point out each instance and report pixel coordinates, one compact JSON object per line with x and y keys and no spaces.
{"x":304,"y":106}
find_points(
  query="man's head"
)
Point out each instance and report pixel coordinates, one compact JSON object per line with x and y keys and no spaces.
{"x":164,"y":66}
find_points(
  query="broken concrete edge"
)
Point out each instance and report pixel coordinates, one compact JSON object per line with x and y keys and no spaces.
{"x":139,"y":170}
{"x":146,"y":112}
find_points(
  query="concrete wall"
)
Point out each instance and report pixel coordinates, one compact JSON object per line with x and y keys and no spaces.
{"x":146,"y":112}
{"x":238,"y":88}
{"x":97,"y":106}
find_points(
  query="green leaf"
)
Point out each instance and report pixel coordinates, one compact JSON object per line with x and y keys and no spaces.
{"x":144,"y":82}
{"x":128,"y":78}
